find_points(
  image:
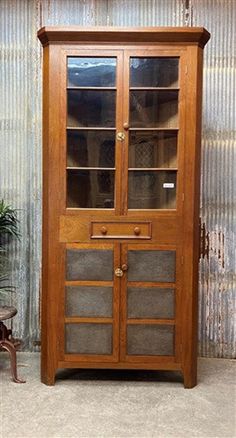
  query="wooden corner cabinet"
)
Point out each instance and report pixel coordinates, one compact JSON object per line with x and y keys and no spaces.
{"x":121,"y":171}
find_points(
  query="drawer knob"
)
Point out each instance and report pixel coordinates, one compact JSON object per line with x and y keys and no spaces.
{"x":104,"y":230}
{"x":137,"y":231}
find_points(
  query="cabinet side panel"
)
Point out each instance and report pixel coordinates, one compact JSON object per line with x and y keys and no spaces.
{"x":52,"y":262}
{"x":191,"y":215}
{"x":44,"y":356}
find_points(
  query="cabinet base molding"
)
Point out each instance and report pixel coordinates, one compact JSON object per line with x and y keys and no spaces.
{"x":122,"y":366}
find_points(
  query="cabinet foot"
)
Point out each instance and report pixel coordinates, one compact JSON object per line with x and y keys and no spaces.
{"x":47,"y":379}
{"x":190,"y":380}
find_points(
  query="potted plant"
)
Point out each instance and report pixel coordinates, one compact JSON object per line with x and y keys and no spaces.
{"x":9,"y":226}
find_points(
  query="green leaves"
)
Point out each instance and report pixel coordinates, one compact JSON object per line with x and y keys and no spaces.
{"x":8,"y":227}
{"x":8,"y":220}
{"x":5,"y":288}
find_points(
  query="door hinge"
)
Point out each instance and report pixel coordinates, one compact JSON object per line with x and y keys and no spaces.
{"x":182,"y":260}
{"x":186,"y":69}
{"x":181,"y":348}
{"x":182,"y":197}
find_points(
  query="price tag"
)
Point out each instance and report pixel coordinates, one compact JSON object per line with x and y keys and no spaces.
{"x":168,"y":186}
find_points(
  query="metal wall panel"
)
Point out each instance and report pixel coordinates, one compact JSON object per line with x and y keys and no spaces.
{"x":217,"y":282}
{"x":20,"y":145}
{"x":20,"y":148}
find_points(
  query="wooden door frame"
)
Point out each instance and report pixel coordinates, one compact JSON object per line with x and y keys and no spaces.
{"x":157,"y":51}
{"x":93,"y":51}
{"x":114,"y":320}
{"x":176,"y":322}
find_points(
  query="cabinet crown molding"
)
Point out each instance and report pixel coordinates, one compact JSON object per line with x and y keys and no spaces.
{"x":167,"y":35}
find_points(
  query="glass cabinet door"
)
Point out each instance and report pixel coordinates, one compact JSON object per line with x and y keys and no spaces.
{"x":153,"y":132}
{"x":91,"y":124}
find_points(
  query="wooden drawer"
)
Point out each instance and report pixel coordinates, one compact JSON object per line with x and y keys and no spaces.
{"x":120,"y":230}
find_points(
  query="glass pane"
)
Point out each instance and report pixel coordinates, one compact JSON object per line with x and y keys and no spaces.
{"x":89,"y":338}
{"x":151,"y":190}
{"x":90,"y":149}
{"x":150,"y":340}
{"x":89,"y":301}
{"x":154,"y":109}
{"x":154,"y":72}
{"x":153,"y":149}
{"x":91,"y":108}
{"x":155,"y":265}
{"x":91,"y":72}
{"x":150,"y":303}
{"x":90,"y":188}
{"x":89,"y":264}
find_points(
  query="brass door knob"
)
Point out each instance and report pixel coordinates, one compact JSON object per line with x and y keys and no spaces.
{"x":126,"y":125}
{"x":124,"y":267}
{"x":120,"y":136}
{"x":119,"y":272}
{"x":104,"y":230}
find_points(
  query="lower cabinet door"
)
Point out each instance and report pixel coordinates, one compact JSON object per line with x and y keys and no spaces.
{"x":149,"y":304}
{"x":120,"y":303}
{"x":91,"y":303}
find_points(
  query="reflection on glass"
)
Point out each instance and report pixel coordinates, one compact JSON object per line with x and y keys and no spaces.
{"x":154,"y":72}
{"x":150,"y":190}
{"x":90,"y":188}
{"x":149,"y":109}
{"x":91,"y":72}
{"x":153,"y":149}
{"x":90,"y":148}
{"x":91,"y":108}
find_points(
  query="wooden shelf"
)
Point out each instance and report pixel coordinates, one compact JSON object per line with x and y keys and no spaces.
{"x":90,"y":168}
{"x":154,"y":88}
{"x":91,"y":88}
{"x":174,"y":169}
{"x":89,"y":128}
{"x":153,"y":129}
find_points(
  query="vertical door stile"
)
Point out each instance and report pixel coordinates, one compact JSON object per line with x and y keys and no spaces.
{"x":123,"y":302}
{"x":116,"y":303}
{"x":181,"y":136}
{"x":119,"y":128}
{"x":125,"y":125}
{"x":180,"y":216}
{"x":63,"y":145}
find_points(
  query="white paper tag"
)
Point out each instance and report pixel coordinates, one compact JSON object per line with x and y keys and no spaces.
{"x":168,"y":186}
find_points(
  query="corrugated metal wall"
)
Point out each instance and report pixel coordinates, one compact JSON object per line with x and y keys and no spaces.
{"x":21,"y":139}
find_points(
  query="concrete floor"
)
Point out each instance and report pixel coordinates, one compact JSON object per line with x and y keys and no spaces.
{"x":120,"y":404}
